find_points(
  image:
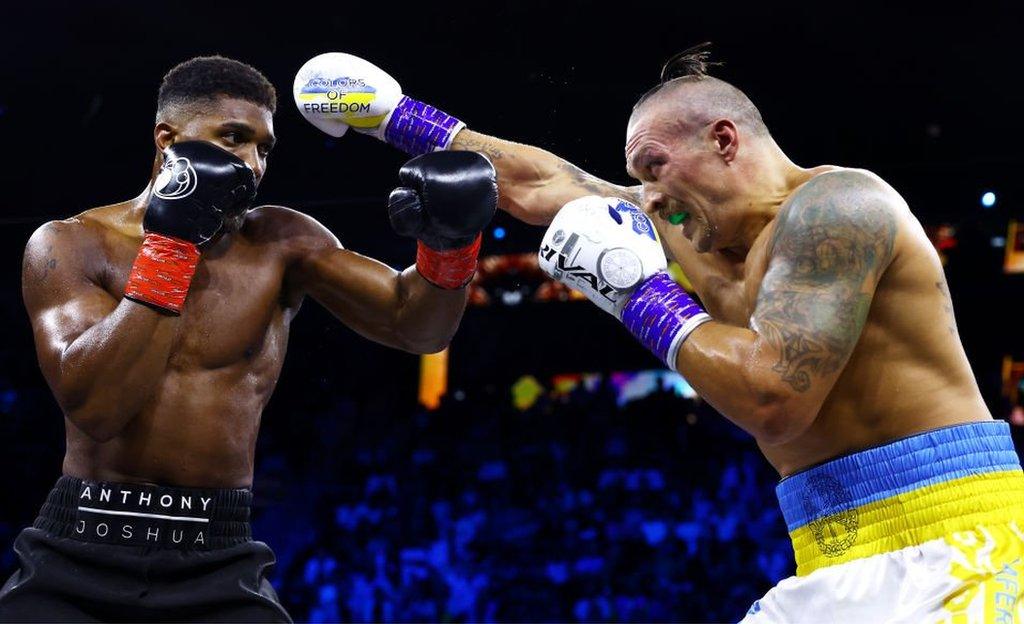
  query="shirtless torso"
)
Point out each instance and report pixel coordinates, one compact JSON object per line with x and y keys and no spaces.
{"x":907,"y":371}
{"x":187,"y":403}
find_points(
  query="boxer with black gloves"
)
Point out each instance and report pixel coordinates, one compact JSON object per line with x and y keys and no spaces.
{"x":438,"y":204}
{"x":161,"y":324}
{"x":198,"y":187}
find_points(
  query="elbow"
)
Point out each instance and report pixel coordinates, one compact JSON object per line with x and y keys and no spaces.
{"x":529,"y":213}
{"x":776,"y":426}
{"x":531,"y":206}
{"x":427,"y":346}
{"x":91,"y":425}
{"x":778,"y":418}
{"x":98,"y":424}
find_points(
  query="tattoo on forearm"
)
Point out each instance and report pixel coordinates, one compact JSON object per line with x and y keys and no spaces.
{"x":828,"y":249}
{"x":488,"y":148}
{"x":598,"y":186}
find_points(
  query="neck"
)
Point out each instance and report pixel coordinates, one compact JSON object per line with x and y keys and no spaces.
{"x":137,"y":206}
{"x":777,"y":180}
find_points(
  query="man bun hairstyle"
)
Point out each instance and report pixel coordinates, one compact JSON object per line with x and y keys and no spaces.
{"x":691,"y":62}
{"x":206,"y":78}
{"x":685,"y":77}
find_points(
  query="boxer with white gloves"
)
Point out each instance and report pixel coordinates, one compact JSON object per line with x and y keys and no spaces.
{"x":607,"y":249}
{"x":833,"y":344}
{"x":334,"y":91}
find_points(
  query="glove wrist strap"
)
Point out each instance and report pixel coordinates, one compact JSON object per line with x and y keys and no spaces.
{"x":418,"y":128}
{"x":162,"y":272}
{"x":451,"y":268}
{"x":661,"y":315}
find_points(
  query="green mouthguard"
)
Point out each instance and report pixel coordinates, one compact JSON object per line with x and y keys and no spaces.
{"x":678,"y":218}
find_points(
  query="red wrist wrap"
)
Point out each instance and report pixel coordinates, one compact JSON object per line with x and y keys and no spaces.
{"x":452,"y":268}
{"x":162,"y":272}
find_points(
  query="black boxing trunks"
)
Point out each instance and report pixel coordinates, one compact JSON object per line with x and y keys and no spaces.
{"x":128,"y":552}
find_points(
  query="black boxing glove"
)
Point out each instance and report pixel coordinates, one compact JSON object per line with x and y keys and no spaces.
{"x":198,"y":187}
{"x":445,"y":201}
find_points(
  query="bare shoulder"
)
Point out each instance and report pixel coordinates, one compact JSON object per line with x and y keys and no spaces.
{"x":839,"y":217}
{"x":81,"y":236}
{"x":58,"y":258}
{"x":847,"y":184}
{"x":288,"y":227}
{"x":64,"y":237}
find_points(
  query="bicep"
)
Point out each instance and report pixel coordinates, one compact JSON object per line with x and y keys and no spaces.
{"x":829,"y":249}
{"x":348,"y":283}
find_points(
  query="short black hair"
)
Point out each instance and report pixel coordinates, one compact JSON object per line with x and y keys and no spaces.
{"x":692,"y":64}
{"x":210,"y":77}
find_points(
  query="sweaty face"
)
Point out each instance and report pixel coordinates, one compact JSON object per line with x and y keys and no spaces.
{"x":243,"y":128}
{"x":682,"y":176}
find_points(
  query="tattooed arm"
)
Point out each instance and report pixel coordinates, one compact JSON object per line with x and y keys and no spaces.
{"x":534,"y":184}
{"x":830,"y":246}
{"x":102,"y":358}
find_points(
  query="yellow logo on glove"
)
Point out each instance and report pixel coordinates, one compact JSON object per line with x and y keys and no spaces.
{"x":334,"y":91}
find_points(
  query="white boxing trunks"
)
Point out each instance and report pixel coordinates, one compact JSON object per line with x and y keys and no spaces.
{"x":929,"y":528}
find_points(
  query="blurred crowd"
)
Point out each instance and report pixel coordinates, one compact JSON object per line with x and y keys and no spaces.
{"x":572,"y":510}
{"x":576,"y":507}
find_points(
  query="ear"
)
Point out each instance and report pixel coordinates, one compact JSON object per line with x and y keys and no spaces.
{"x":164,"y":134}
{"x":726,"y":138}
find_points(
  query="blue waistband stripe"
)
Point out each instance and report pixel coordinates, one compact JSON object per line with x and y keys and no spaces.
{"x":902,"y":466}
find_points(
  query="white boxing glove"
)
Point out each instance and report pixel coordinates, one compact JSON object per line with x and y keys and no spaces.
{"x":335,"y":91}
{"x":603,"y":247}
{"x":608,"y":249}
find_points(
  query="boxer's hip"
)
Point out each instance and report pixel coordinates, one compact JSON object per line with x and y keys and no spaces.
{"x":151,"y":516}
{"x":904,"y":493}
{"x":929,"y":527}
{"x":101,"y":551}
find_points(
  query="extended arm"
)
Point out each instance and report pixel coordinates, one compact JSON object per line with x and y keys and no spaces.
{"x":534,"y":184}
{"x":397,"y":309}
{"x":445,"y":200}
{"x":102,"y":358}
{"x":830,"y":246}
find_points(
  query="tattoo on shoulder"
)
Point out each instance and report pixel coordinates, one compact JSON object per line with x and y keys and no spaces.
{"x":598,"y":186}
{"x":48,"y":265}
{"x":829,"y":248}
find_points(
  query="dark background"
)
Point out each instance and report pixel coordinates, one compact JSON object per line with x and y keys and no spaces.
{"x":929,"y":100}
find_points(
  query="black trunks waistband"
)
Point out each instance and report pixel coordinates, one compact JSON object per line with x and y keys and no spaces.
{"x":137,"y":514}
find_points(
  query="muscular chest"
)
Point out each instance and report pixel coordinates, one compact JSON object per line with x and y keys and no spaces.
{"x":234,"y":308}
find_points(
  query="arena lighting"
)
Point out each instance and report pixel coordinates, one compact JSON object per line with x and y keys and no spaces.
{"x":499,"y":233}
{"x":988,"y":199}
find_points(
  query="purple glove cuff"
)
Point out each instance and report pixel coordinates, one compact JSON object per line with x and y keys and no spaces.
{"x":661,"y":315}
{"x":418,"y":128}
